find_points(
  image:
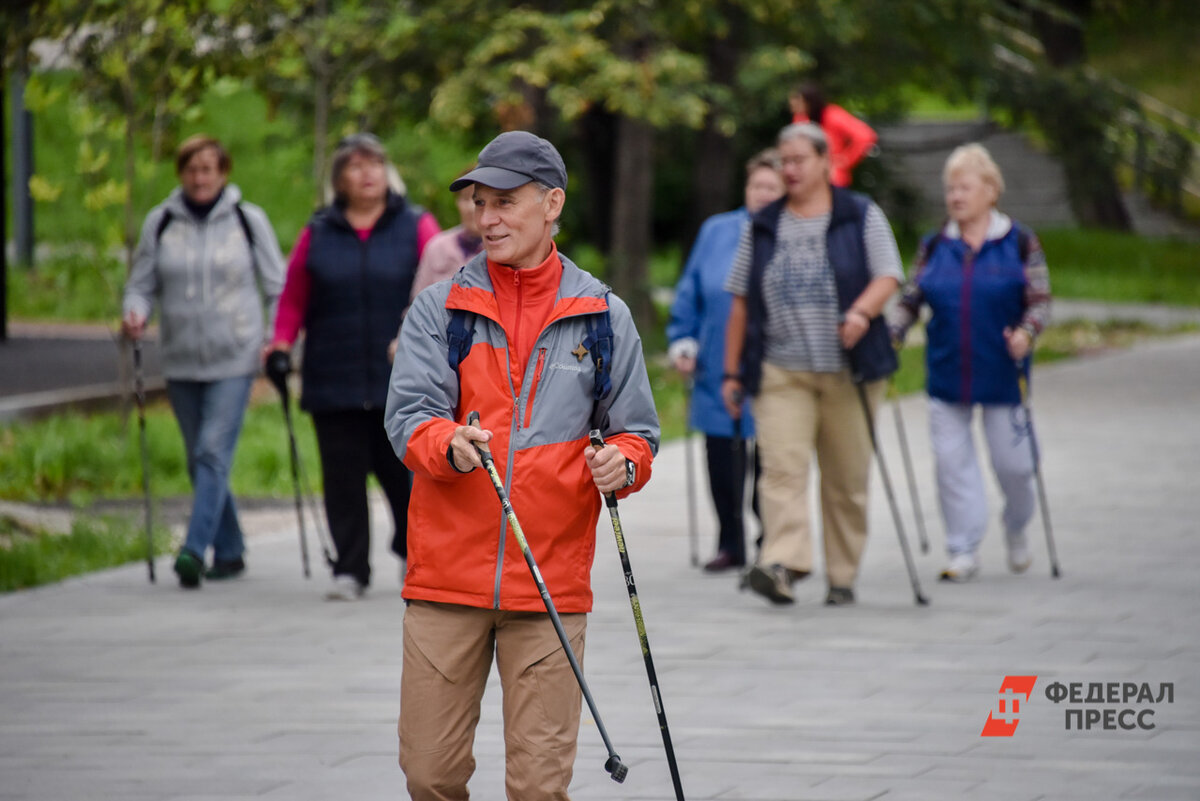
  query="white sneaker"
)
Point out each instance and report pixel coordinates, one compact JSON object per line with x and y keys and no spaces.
{"x":1019,"y":557}
{"x":962,"y":567}
{"x":345,"y":588}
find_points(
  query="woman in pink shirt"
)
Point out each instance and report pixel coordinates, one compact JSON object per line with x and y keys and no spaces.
{"x":348,"y":282}
{"x":451,"y":249}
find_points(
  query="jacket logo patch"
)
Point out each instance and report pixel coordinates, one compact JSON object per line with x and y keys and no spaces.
{"x":579,"y":352}
{"x":570,"y":368}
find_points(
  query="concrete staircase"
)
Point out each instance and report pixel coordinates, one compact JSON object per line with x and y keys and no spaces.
{"x":1036,"y":189}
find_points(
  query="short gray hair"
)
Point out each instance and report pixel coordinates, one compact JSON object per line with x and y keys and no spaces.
{"x":805,"y":130}
{"x":768,"y":159}
{"x":542,"y":190}
{"x":360,"y":144}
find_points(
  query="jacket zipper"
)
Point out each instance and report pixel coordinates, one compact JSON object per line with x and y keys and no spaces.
{"x":965,"y":335}
{"x":514,"y":425}
{"x":537,"y":378}
{"x":514,"y":428}
{"x":366,"y":317}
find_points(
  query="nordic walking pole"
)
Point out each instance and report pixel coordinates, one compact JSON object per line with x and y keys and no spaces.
{"x":139,"y":395}
{"x":920,"y":599}
{"x":908,"y":469}
{"x":278,"y":365}
{"x":693,"y":537}
{"x":1023,"y":384}
{"x":615,"y":767}
{"x":610,"y":499}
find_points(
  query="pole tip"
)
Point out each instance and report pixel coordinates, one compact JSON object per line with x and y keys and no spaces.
{"x":616,"y":768}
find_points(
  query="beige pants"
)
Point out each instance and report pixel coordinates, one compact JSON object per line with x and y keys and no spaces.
{"x":799,"y":413}
{"x":447,"y":657}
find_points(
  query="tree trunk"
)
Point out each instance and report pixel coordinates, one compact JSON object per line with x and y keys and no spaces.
{"x":598,"y":134}
{"x":1092,"y":185}
{"x":130,"y":174}
{"x":714,"y":174}
{"x":632,"y":215}
{"x":320,"y":130}
{"x":1061,"y":34}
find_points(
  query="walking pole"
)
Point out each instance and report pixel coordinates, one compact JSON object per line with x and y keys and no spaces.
{"x":139,"y":394}
{"x":615,"y":767}
{"x":610,"y":499}
{"x":278,"y":365}
{"x":908,"y":469}
{"x":1023,"y":384}
{"x":693,"y":537}
{"x":920,"y":599}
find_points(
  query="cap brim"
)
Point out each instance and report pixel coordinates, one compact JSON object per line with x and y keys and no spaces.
{"x":495,"y":177}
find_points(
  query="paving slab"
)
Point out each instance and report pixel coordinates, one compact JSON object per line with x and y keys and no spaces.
{"x":113,"y":688}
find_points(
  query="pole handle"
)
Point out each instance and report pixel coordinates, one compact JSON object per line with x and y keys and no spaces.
{"x":483,"y":448}
{"x":597,"y":440}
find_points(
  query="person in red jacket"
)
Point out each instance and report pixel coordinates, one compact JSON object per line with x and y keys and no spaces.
{"x":529,"y":315}
{"x":850,"y":139}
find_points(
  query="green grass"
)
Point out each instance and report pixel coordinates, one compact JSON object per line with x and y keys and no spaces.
{"x":80,"y":459}
{"x":30,"y":557}
{"x":76,"y":287}
{"x":1120,"y":267}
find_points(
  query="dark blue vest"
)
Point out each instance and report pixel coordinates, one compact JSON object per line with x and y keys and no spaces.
{"x":358,"y":290}
{"x":873,"y":357}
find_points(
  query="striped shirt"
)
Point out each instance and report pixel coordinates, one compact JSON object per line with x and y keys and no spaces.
{"x":799,"y":291}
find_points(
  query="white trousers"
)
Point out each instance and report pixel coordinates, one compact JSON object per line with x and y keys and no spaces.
{"x":961,"y":493}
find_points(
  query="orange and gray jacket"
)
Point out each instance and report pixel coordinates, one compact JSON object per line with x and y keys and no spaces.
{"x":460,"y":550}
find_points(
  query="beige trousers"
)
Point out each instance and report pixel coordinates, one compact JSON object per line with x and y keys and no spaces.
{"x":447,"y":657}
{"x":798,"y":414}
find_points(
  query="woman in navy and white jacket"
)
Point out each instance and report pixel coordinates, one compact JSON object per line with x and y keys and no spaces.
{"x":984,"y":278}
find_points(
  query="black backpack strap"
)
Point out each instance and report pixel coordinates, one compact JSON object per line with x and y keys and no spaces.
{"x":241,"y":215}
{"x":599,"y":342}
{"x":163,"y":222}
{"x":1023,"y":243}
{"x":460,"y":333}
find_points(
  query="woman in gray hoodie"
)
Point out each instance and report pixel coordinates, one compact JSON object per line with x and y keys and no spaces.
{"x":213,"y":266}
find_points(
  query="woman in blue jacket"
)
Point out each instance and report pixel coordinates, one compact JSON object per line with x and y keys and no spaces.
{"x":984,"y":278}
{"x":696,"y":332}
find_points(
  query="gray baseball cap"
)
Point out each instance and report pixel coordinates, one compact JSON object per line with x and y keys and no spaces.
{"x":515,"y":158}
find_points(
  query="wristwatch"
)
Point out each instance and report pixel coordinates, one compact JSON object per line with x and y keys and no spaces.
{"x":630,"y":474}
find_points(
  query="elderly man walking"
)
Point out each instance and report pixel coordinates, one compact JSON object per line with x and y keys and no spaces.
{"x":513,"y":335}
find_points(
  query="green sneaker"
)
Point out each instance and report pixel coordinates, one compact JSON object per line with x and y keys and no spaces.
{"x":222,"y":569}
{"x":189,"y":568}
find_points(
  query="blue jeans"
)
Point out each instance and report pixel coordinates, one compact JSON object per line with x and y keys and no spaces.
{"x":210,"y":417}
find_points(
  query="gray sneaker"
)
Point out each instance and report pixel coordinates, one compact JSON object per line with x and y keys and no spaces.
{"x":345,"y":588}
{"x":773,"y":583}
{"x":839,"y":596}
{"x":1019,"y":557}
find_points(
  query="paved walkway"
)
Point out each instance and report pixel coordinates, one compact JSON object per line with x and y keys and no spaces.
{"x":112,"y":688}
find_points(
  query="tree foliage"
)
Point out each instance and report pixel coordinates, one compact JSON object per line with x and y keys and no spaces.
{"x":139,"y":67}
